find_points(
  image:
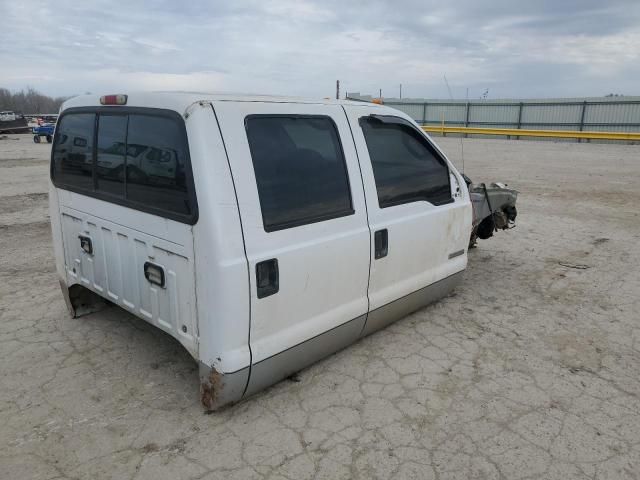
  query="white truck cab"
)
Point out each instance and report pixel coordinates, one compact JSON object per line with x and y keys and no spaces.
{"x":263,"y":233}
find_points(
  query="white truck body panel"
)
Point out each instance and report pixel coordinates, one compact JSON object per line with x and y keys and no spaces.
{"x":120,"y":250}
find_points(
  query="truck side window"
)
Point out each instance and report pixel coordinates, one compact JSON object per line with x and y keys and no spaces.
{"x":300,"y":170}
{"x":112,"y":140}
{"x":156,"y":158}
{"x":73,"y":151}
{"x":405,"y":166}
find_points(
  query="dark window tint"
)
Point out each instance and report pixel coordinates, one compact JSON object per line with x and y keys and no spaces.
{"x":156,"y":159}
{"x":300,"y":170}
{"x":110,"y":160}
{"x":139,"y":159}
{"x":406,"y":168}
{"x":73,"y":151}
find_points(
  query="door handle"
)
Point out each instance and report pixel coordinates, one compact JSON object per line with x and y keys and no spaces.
{"x":381,"y":241}
{"x":86,"y":244}
{"x":154,"y":274}
{"x":267,"y":277}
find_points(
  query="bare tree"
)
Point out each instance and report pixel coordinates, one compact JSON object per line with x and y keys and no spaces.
{"x":29,"y":101}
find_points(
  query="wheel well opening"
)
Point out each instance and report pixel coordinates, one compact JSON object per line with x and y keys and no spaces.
{"x":84,"y":301}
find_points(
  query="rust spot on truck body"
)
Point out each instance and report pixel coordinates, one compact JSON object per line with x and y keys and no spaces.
{"x":210,"y":387}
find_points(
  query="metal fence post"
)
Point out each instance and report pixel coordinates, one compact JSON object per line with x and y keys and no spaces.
{"x":466,"y":119}
{"x":584,"y":109}
{"x":424,"y":113}
{"x":520,"y":118}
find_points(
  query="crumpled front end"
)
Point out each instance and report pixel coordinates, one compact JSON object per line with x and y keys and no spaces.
{"x":494,"y":208}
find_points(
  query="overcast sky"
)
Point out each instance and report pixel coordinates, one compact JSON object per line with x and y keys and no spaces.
{"x":539,"y":48}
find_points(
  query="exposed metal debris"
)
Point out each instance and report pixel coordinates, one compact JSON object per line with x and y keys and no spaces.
{"x":494,"y":208}
{"x":577,"y":266}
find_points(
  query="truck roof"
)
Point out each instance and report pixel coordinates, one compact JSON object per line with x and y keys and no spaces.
{"x":179,"y":101}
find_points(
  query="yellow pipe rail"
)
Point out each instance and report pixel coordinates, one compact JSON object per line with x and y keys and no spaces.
{"x":516,"y":132}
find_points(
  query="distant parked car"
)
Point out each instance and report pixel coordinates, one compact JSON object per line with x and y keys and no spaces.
{"x":7,"y":116}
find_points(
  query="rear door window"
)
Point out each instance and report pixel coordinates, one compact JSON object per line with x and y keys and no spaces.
{"x":300,"y":170}
{"x":72,"y":153}
{"x":405,"y":166}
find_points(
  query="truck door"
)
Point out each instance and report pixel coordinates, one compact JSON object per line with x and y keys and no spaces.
{"x":419,"y":216}
{"x":305,"y":229}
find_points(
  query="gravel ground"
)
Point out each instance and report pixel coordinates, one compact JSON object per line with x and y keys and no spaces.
{"x":530,"y":369}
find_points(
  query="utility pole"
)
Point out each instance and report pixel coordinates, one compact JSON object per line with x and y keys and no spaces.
{"x":337,"y":89}
{"x":400,"y":91}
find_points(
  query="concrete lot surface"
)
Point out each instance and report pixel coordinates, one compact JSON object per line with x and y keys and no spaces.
{"x":531,"y":369}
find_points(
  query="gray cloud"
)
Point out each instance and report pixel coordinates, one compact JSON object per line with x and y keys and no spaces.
{"x":300,"y":47}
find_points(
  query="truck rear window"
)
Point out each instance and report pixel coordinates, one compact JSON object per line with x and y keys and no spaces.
{"x":111,"y":158}
{"x":133,"y":157}
{"x":73,"y":151}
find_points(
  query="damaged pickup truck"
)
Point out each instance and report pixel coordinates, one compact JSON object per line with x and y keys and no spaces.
{"x":262,"y":233}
